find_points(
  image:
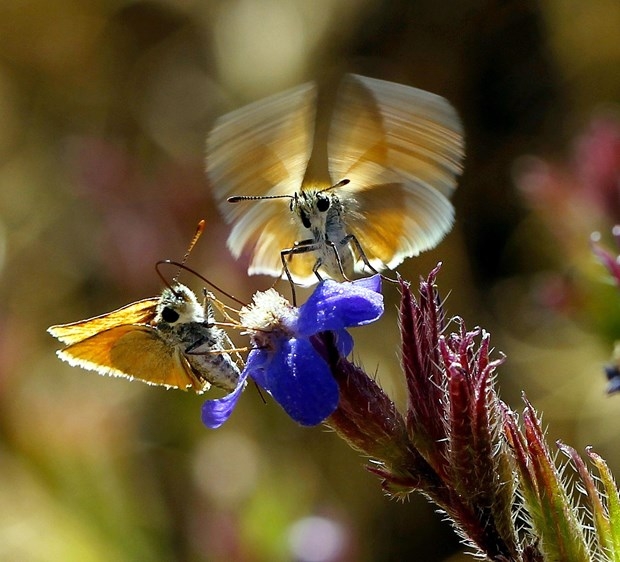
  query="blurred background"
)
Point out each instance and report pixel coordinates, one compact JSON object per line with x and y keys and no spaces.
{"x":104,"y":110}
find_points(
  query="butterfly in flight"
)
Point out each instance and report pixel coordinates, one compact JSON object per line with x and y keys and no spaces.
{"x":171,"y":340}
{"x":393,"y":156}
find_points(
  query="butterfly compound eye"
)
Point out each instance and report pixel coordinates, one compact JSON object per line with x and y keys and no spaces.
{"x":169,"y":315}
{"x":322,"y":203}
{"x":305,"y":219}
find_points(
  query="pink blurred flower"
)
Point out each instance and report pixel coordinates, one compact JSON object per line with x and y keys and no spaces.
{"x":584,"y":190}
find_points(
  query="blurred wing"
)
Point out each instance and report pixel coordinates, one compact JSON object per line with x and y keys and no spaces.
{"x":260,"y":150}
{"x":133,"y":352}
{"x":273,"y":233}
{"x":141,"y":312}
{"x":402,"y":149}
{"x":390,"y":226}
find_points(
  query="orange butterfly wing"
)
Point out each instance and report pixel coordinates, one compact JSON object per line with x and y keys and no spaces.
{"x":140,"y":312}
{"x":260,"y":150}
{"x":401,"y":148}
{"x":133,"y":352}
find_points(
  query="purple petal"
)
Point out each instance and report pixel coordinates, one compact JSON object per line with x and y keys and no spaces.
{"x":334,"y":306}
{"x":372,"y":283}
{"x":255,"y":365}
{"x":216,"y":412}
{"x":613,"y":378}
{"x":301,"y":382}
{"x":344,"y":342}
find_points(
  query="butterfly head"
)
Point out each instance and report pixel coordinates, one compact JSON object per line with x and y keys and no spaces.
{"x":178,"y":305}
{"x":318,"y":208}
{"x":312,"y":207}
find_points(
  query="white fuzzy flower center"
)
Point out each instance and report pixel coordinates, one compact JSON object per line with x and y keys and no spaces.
{"x":269,"y":316}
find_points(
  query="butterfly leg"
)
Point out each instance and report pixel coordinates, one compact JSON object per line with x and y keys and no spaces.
{"x":230,"y":348}
{"x":208,"y":298}
{"x":284,"y":255}
{"x":215,"y":351}
{"x":209,"y":345}
{"x":289,"y":255}
{"x":315,"y":269}
{"x":300,"y":247}
{"x":199,"y":383}
{"x":351,"y":239}
{"x":212,"y":303}
{"x":343,"y":242}
{"x":225,"y":346}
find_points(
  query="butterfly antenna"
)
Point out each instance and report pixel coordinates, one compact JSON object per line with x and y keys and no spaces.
{"x":199,"y":230}
{"x":336,"y":186}
{"x":182,"y":266}
{"x":237,"y":198}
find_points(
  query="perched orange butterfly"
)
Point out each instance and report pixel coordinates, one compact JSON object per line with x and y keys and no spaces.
{"x":393,"y":155}
{"x":170,"y":340}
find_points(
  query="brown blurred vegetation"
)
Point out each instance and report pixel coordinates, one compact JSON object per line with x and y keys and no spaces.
{"x":104,"y":110}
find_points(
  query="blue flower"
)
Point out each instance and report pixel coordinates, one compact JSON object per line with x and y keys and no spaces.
{"x":284,"y":362}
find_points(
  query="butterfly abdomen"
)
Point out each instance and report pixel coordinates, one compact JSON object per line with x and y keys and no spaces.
{"x":206,"y":353}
